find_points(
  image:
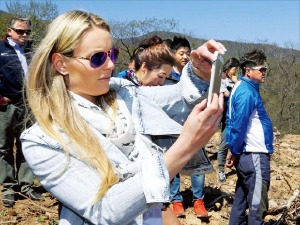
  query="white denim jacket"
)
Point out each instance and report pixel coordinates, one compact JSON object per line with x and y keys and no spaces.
{"x":151,"y":109}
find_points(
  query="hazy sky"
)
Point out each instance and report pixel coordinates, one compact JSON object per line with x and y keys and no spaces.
{"x":243,"y":20}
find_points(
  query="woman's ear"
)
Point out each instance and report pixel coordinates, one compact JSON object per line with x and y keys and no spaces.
{"x":143,"y":69}
{"x":59,"y":64}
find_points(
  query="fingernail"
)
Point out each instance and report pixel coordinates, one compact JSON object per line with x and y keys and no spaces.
{"x":222,"y":51}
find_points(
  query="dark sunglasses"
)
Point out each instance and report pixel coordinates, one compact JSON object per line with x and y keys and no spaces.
{"x":99,"y":58}
{"x":21,"y":32}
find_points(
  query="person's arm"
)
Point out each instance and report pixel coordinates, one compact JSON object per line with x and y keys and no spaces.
{"x":200,"y":126}
{"x":3,"y":100}
{"x":75,"y":184}
{"x":190,"y":90}
{"x":230,"y":159}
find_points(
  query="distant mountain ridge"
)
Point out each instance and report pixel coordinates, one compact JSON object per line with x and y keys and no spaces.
{"x":3,"y":12}
{"x":234,"y":48}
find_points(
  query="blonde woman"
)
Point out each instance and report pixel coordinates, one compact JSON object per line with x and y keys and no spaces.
{"x":90,"y":147}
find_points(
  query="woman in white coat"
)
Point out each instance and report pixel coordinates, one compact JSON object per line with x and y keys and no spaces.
{"x":90,"y":146}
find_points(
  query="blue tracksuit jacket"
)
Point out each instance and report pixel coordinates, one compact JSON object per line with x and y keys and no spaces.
{"x":248,"y":127}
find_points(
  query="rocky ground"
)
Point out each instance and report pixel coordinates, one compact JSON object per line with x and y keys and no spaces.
{"x":285,"y":182}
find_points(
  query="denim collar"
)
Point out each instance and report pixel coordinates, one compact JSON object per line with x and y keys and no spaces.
{"x":83,"y":102}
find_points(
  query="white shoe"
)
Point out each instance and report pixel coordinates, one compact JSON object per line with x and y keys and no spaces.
{"x":222,"y":176}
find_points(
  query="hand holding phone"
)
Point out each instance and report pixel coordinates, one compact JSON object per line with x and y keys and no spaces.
{"x":216,"y":76}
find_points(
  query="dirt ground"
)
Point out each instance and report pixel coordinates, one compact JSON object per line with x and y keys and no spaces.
{"x":285,"y":181}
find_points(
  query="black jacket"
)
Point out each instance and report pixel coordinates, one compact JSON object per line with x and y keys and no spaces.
{"x":11,"y":72}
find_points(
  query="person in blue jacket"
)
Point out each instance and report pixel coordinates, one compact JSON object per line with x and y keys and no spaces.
{"x":182,"y":51}
{"x":249,"y":136}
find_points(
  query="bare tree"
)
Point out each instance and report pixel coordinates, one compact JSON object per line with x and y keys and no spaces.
{"x":283,"y":87}
{"x":127,"y":35}
{"x":129,"y":32}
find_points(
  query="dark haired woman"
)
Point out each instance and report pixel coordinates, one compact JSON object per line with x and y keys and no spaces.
{"x":152,"y":62}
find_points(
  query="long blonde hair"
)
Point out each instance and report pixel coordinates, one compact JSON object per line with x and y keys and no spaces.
{"x":50,"y":102}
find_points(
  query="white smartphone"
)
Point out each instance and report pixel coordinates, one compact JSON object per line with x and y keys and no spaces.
{"x":216,"y":76}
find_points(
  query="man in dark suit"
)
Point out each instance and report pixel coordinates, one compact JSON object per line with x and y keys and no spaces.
{"x":14,"y":57}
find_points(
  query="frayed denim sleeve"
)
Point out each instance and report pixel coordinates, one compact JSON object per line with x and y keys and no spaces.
{"x":193,"y":88}
{"x":189,"y":91}
{"x":155,"y":181}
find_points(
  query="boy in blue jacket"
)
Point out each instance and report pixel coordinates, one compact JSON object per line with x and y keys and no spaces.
{"x":249,"y":135}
